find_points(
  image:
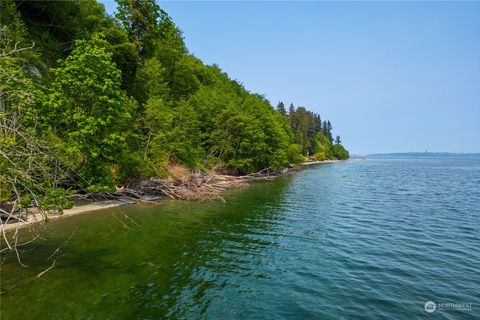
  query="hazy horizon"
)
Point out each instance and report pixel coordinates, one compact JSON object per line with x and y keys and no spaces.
{"x":418,"y":152}
{"x":392,"y":77}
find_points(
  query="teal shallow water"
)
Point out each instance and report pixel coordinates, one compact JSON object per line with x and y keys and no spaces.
{"x":371,"y":239}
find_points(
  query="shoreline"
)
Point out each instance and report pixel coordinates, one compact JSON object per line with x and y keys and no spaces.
{"x":88,"y":207}
{"x":308,"y":163}
{"x":91,"y":206}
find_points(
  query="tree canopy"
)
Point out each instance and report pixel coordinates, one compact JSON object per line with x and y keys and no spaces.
{"x":119,"y":98}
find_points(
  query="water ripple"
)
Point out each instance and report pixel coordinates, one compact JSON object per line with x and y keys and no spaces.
{"x":371,"y":239}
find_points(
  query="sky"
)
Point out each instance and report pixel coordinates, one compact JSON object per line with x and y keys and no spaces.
{"x":391,"y":76}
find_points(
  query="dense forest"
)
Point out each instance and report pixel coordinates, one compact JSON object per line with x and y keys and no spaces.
{"x":93,"y":101}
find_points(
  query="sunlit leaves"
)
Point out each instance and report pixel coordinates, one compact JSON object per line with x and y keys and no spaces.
{"x":87,"y":107}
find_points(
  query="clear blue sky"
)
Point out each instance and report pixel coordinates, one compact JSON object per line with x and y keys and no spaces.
{"x":391,"y":76}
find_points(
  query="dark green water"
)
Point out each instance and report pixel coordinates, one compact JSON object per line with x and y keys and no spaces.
{"x":371,"y":239}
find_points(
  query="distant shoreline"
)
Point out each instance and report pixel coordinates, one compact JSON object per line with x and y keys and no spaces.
{"x":422,"y":154}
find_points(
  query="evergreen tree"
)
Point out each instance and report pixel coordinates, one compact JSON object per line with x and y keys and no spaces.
{"x":281,"y":109}
{"x":318,"y":123}
{"x":327,"y":130}
{"x":169,"y":34}
{"x":140,"y":19}
{"x":291,"y":110}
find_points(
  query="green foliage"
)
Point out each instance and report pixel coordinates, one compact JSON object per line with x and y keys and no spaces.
{"x":87,"y":107}
{"x":327,"y":130}
{"x":185,"y":79}
{"x":18,"y":90}
{"x":54,"y":29}
{"x":340,"y":152}
{"x":150,"y":81}
{"x":56,"y":199}
{"x":29,"y":172}
{"x":140,"y":19}
{"x":158,"y":120}
{"x":169,"y":45}
{"x":237,"y":128}
{"x":169,"y":34}
{"x":113,"y":100}
{"x":314,"y":136}
{"x":10,"y":18}
{"x":281,"y":109}
{"x":185,"y":142}
{"x":325,"y":148}
{"x":305,"y":125}
{"x":294,"y":153}
{"x":124,"y":54}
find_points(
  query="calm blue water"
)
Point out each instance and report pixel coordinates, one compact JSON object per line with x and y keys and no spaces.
{"x":373,"y":239}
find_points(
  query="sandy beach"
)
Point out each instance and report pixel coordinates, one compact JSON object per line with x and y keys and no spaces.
{"x":77,"y":209}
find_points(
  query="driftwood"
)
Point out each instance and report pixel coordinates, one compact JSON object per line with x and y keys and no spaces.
{"x":193,"y":187}
{"x":196,"y":186}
